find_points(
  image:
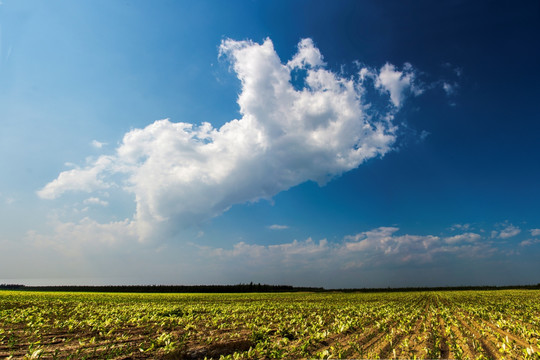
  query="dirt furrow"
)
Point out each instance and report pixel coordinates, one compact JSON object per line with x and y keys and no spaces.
{"x":343,"y":341}
{"x":444,"y":348}
{"x":419,"y":341}
{"x":462,"y":345}
{"x":520,"y":341}
{"x":488,"y":348}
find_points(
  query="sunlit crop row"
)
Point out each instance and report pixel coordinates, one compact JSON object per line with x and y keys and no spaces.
{"x":460,"y":325}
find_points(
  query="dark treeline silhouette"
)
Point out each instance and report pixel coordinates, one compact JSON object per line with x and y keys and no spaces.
{"x":239,"y":288}
{"x":11,"y":286}
{"x":442,"y":288}
{"x":242,"y":288}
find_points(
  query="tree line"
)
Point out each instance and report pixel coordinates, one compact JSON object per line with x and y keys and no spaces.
{"x":238,"y":288}
{"x":242,"y":288}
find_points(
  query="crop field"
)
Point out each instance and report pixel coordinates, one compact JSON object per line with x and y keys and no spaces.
{"x":458,"y":325}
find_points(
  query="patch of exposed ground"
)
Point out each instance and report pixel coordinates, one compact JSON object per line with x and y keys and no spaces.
{"x":211,"y":351}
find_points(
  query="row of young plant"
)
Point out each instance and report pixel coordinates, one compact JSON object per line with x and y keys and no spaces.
{"x":505,"y":325}
{"x":467,"y":324}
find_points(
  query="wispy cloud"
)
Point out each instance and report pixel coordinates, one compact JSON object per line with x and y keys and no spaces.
{"x":460,"y":227}
{"x":529,"y":242}
{"x":284,"y":252}
{"x":535,"y":232}
{"x":463,"y":238}
{"x":77,"y":239}
{"x":508,"y":231}
{"x":448,"y":88}
{"x":98,"y":144}
{"x":397,"y":83}
{"x":87,"y":179}
{"x":377,"y":247}
{"x":278,"y":227}
{"x":95,"y":201}
{"x":424,"y":134}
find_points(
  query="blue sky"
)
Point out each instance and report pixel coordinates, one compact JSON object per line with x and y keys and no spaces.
{"x":313,"y":143}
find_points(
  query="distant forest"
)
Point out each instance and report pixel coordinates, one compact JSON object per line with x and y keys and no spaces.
{"x":240,"y":288}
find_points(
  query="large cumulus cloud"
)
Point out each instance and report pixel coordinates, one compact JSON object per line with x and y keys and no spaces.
{"x":181,"y":173}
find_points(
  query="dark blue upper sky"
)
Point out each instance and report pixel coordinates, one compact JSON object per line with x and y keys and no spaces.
{"x":454,"y":191}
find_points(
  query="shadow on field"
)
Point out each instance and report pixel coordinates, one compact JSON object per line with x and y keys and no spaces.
{"x":210,"y":351}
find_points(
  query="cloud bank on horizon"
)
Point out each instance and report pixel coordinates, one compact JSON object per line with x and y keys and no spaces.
{"x":373,"y":248}
{"x":357,"y":256}
{"x":181,"y":173}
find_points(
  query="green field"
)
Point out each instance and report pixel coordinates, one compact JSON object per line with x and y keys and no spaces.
{"x":449,"y":324}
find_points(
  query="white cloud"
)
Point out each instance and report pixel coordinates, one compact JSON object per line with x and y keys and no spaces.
{"x":529,"y":242}
{"x":180,"y":173}
{"x":95,"y":201}
{"x":508,"y":232}
{"x":448,"y":88}
{"x":397,"y":83}
{"x":89,"y":235}
{"x":374,"y":248}
{"x":278,"y":227}
{"x":280,"y":251}
{"x":86,"y":179}
{"x":97,"y":144}
{"x":461,"y":238}
{"x":535,"y":232}
{"x":364,"y":73}
{"x":307,"y":56}
{"x":460,"y":227}
{"x":381,"y":243}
